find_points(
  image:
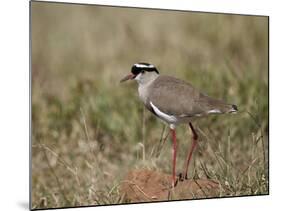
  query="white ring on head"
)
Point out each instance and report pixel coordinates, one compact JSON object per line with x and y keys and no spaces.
{"x":144,"y":65}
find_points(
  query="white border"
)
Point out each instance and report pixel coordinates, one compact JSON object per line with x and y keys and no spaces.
{"x":14,"y":89}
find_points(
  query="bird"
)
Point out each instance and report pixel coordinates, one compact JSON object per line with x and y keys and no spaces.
{"x":175,"y":102}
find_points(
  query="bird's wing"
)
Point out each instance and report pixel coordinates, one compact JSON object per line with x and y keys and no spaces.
{"x":178,"y":98}
{"x":174,"y":97}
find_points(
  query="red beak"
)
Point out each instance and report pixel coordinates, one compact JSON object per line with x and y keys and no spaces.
{"x":127,"y":77}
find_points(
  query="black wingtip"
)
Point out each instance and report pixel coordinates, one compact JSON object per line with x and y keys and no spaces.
{"x":234,"y":107}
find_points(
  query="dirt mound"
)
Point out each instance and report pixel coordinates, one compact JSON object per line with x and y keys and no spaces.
{"x":146,"y":185}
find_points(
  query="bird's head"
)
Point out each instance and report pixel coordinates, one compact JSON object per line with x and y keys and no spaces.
{"x":142,"y":73}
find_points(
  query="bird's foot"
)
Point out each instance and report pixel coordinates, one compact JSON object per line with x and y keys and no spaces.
{"x":175,"y":183}
{"x":180,"y":177}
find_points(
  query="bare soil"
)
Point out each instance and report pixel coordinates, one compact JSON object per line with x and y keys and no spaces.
{"x":146,"y":185}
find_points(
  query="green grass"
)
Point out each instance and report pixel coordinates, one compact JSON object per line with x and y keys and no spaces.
{"x":88,"y":130}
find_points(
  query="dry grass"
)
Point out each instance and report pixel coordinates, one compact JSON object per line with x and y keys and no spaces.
{"x":88,"y":131}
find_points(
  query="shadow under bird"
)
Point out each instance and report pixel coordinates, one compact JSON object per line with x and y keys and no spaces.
{"x":175,"y":102}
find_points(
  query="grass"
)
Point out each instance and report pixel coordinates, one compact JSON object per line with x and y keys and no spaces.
{"x":88,"y":131}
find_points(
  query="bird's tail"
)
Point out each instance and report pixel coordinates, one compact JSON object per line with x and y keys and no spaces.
{"x":217,"y":106}
{"x":233,"y":109}
{"x":223,"y":108}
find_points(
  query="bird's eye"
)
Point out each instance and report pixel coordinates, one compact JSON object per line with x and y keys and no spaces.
{"x":143,"y":72}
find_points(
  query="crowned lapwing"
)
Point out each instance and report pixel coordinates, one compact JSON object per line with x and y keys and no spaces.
{"x":174,"y":101}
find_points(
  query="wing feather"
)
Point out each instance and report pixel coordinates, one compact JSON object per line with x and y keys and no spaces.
{"x":179,"y":98}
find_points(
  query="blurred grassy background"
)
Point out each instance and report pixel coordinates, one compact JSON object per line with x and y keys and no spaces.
{"x":88,"y":131}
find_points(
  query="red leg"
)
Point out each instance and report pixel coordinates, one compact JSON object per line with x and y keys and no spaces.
{"x":194,"y":143}
{"x":174,"y":155}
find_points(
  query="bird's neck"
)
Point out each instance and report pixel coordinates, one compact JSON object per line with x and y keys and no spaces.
{"x":143,"y":88}
{"x":147,"y":81}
